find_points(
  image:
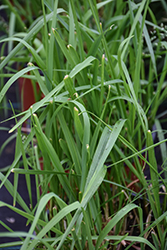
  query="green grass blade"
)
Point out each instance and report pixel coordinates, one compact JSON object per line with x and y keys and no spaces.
{"x":154,"y":177}
{"x":29,"y":35}
{"x":37,"y":58}
{"x":87,"y":230}
{"x":88,"y":14}
{"x":13,"y":79}
{"x":51,"y":45}
{"x":163,"y":145}
{"x":78,"y":68}
{"x":124,"y":211}
{"x":95,"y":181}
{"x":75,"y":154}
{"x":105,"y":145}
{"x":63,"y":213}
{"x":77,"y":27}
{"x":47,"y":148}
{"x":78,"y":124}
{"x":41,"y":83}
{"x":10,"y":189}
{"x":135,"y":21}
{"x":85,"y":143}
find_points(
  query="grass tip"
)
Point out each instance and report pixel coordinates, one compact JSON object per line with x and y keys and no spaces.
{"x":30,"y":64}
{"x":111,"y":26}
{"x":66,"y":76}
{"x":76,"y":95}
{"x":75,"y":109}
{"x":68,"y":46}
{"x":12,"y":170}
{"x":72,"y":171}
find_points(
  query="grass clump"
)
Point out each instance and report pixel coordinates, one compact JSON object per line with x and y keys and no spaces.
{"x":90,"y":139}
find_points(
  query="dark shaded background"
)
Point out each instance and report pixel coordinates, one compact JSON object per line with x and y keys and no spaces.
{"x":10,"y":218}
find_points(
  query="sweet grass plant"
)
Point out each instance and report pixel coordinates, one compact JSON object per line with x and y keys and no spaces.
{"x":97,"y":67}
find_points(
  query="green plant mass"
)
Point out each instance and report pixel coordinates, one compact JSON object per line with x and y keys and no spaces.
{"x":98,"y":75}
